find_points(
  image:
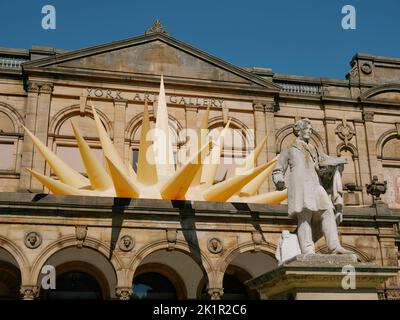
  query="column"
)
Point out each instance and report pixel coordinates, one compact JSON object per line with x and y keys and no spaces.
{"x":37,"y":121}
{"x":119,"y":125}
{"x":271,"y":141}
{"x":259,"y":132}
{"x":192,"y":123}
{"x":330,"y":129}
{"x":375,"y":167}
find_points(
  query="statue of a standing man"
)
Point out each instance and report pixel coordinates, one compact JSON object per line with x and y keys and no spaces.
{"x":309,"y":172}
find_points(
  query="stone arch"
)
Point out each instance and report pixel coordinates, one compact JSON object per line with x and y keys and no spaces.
{"x":74,"y":110}
{"x":390,"y":87}
{"x":385,"y":138}
{"x":284,"y":132}
{"x":242,"y":275}
{"x":168,"y":273}
{"x":247,"y":134}
{"x":87,"y":268}
{"x":267,"y":248}
{"x":351,"y":147}
{"x":10,"y":281}
{"x":14,"y":116}
{"x":70,"y":241}
{"x":361,"y":255}
{"x":136,"y":122}
{"x":205,"y":264}
{"x":350,"y":173}
{"x":19,"y":256}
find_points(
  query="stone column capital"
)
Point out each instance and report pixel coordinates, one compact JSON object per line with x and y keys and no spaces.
{"x":330,"y":120}
{"x":191,"y":108}
{"x":120,"y":102}
{"x":124,"y":293}
{"x":29,"y":292}
{"x":216,"y":293}
{"x":264,"y":106}
{"x":40,"y":87}
{"x":368,"y":115}
{"x":259,"y":106}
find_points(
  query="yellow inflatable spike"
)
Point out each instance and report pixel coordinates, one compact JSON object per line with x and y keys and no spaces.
{"x":98,"y":176}
{"x":163,"y":144}
{"x":224,"y":190}
{"x":63,"y":171}
{"x":251,"y":159}
{"x":106,"y":143}
{"x":131,"y":172}
{"x":146,"y":169}
{"x":254,"y":185}
{"x":202,"y":135}
{"x":275,"y":197}
{"x":212,"y":163}
{"x":177,"y":186}
{"x":57,"y":187}
{"x":123,"y":184}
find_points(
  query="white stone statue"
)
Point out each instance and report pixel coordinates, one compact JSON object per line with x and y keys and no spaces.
{"x":309,"y":172}
{"x":288,"y":247}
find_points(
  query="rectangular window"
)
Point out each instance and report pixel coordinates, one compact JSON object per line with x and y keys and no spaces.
{"x":226,"y":168}
{"x":7,"y":155}
{"x":392,"y":176}
{"x":72,"y":156}
{"x":135,"y":159}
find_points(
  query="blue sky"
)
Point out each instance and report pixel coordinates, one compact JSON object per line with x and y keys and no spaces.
{"x":292,"y":37}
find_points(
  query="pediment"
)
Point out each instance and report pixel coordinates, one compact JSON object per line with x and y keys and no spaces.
{"x":151,"y":55}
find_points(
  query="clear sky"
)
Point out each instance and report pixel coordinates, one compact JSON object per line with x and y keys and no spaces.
{"x":289,"y":36}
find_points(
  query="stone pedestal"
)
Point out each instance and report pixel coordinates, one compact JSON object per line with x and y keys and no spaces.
{"x":323,"y":277}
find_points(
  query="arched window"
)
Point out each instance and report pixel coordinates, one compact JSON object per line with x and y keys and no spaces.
{"x":134,"y":130}
{"x":8,"y":143}
{"x":65,"y":144}
{"x":391,"y":170}
{"x":350,"y":175}
{"x":237,"y":141}
{"x":152,"y":285}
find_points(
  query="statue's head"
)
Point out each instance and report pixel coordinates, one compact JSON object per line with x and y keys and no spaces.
{"x":303,"y":129}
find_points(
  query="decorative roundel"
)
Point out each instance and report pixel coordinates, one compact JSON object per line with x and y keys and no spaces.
{"x":126,"y":243}
{"x":33,"y":240}
{"x":366,"y":68}
{"x":214,"y":245}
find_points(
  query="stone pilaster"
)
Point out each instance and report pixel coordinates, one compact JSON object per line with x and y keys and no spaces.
{"x":330,"y":127}
{"x":119,"y":125}
{"x":271,"y":141}
{"x":364,"y":173}
{"x":192,"y":123}
{"x":37,"y":121}
{"x":260,"y":132}
{"x":375,"y":167}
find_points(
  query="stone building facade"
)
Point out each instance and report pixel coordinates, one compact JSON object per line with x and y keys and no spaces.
{"x":184,"y":250}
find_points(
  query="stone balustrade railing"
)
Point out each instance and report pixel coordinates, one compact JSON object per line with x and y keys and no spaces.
{"x":301,"y":88}
{"x":11,"y":62}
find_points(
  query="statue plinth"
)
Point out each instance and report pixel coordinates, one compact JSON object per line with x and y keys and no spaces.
{"x":323,"y":277}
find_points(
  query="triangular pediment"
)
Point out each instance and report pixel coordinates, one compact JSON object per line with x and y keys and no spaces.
{"x":151,"y":55}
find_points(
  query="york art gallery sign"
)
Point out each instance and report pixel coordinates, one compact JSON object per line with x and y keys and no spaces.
{"x":152,"y":97}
